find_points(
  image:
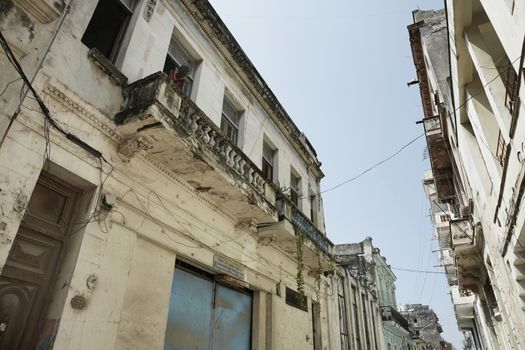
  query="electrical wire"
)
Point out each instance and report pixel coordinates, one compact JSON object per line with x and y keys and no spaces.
{"x":417,"y":271}
{"x":370,"y":168}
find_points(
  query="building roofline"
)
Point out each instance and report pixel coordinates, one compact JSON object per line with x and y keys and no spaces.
{"x":213,"y":27}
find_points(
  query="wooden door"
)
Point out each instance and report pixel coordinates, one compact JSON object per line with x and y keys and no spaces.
{"x":33,"y":263}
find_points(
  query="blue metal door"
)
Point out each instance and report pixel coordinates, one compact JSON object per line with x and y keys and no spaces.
{"x":189,"y":317}
{"x":232,"y":317}
{"x":205,"y":315}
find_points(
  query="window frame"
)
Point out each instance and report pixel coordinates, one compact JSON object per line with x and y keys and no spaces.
{"x":295,"y":187}
{"x":268,"y":167}
{"x":226,"y":120}
{"x":179,"y":56}
{"x":128,"y":8}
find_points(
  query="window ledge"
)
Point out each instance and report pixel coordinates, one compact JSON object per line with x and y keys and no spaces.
{"x":107,"y":67}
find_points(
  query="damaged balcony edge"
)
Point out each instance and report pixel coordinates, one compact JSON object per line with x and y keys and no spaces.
{"x":303,"y":225}
{"x":107,"y":67}
{"x":158,"y":97}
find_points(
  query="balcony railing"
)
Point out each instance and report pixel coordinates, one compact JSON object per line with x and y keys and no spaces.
{"x":388,"y":313}
{"x":293,"y":222}
{"x":160,"y":120}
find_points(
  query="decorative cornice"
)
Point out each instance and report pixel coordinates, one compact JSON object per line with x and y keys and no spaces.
{"x":84,"y":110}
{"x":215,"y":29}
{"x":58,"y":92}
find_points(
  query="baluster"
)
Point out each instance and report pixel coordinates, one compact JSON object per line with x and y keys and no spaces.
{"x":194,"y":123}
{"x":248,"y":173}
{"x":242,"y":163}
{"x":227,"y":149}
{"x":212,"y":142}
{"x":236,"y":161}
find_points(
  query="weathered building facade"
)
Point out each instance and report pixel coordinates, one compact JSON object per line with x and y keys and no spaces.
{"x":359,"y":325}
{"x":425,"y":325}
{"x":154,"y":194}
{"x":469,"y":60}
{"x":364,"y":261}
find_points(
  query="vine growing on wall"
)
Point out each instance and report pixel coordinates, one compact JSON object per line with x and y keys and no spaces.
{"x":300,"y":264}
{"x":317,"y":285}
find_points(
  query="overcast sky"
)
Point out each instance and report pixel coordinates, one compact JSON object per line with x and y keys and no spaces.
{"x":340,"y":68}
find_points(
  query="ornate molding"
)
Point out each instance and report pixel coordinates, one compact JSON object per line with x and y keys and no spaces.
{"x":74,"y":103}
{"x":131,"y":146}
{"x":149,"y":9}
{"x":219,"y":35}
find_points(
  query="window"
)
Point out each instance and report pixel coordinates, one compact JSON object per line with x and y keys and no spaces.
{"x":230,"y":121}
{"x":343,"y":325}
{"x":356,"y":318}
{"x":295,"y":188}
{"x":501,"y":151}
{"x":365,"y":318}
{"x":107,"y":26}
{"x":313,"y":208}
{"x":267,"y":162}
{"x":444,"y":218}
{"x":178,"y":60}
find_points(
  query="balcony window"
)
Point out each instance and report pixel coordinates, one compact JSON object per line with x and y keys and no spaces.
{"x":295,"y":188}
{"x":108,"y":26}
{"x":268,"y":158}
{"x":230,"y":121}
{"x":180,"y":66}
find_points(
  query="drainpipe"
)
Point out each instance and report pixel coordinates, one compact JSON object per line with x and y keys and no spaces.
{"x":37,"y":70}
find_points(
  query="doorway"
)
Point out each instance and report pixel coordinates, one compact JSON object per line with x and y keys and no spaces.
{"x":34,"y":260}
{"x":205,"y":314}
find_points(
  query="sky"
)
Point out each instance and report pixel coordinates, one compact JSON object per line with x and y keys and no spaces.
{"x":340,"y":68}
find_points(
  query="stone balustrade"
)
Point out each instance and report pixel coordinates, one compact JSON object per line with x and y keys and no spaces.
{"x":196,"y":123}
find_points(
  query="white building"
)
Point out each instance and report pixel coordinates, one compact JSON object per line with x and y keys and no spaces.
{"x":146,"y":213}
{"x":359,"y":325}
{"x":472,"y":105}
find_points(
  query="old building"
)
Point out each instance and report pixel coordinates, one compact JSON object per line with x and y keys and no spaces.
{"x":425,"y":324}
{"x":364,"y":261}
{"x":359,"y":325}
{"x":469,"y":60}
{"x":154,"y":193}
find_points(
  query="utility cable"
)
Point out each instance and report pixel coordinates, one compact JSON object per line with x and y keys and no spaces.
{"x":370,"y":168}
{"x":417,"y":271}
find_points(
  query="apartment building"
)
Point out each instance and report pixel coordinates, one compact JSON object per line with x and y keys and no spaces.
{"x":469,"y":60}
{"x":154,"y":192}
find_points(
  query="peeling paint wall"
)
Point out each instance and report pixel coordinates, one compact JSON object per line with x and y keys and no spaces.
{"x":122,"y":257}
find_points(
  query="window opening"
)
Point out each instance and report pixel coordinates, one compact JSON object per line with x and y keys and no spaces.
{"x":343,"y":324}
{"x":356,"y":317}
{"x":365,"y":318}
{"x":180,"y":66}
{"x":107,"y":26}
{"x":230,"y":121}
{"x":295,"y":182}
{"x":267,"y":162}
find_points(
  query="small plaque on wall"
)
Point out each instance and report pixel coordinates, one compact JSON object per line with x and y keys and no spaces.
{"x":229,"y":267}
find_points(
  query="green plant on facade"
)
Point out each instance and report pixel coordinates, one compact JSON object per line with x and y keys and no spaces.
{"x":300,"y":263}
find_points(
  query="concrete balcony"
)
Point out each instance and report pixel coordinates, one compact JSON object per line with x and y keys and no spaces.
{"x":466,"y":243}
{"x":171,"y":130}
{"x":463,"y":307}
{"x":440,"y":159}
{"x":462,"y":235}
{"x":388,"y":313}
{"x":317,"y":251}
